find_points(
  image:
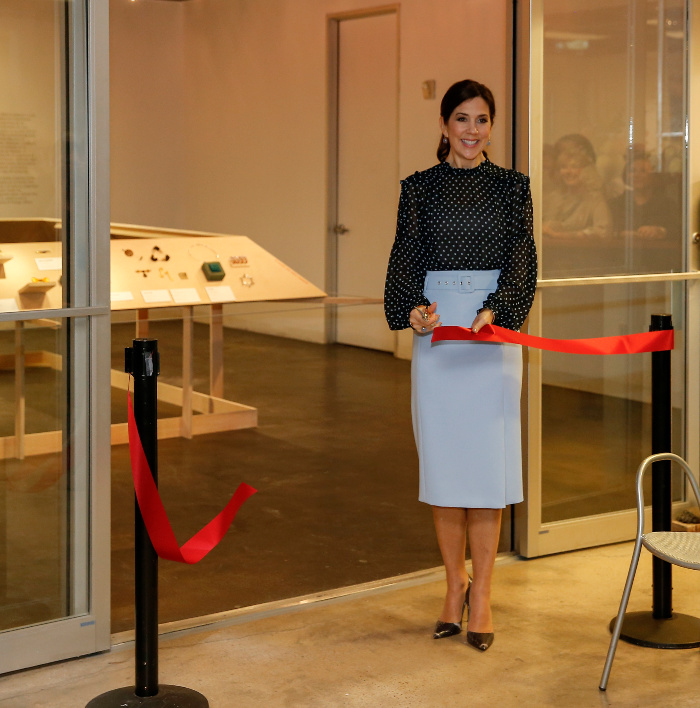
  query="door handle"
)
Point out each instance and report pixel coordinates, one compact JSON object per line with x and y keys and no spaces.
{"x":340,"y":229}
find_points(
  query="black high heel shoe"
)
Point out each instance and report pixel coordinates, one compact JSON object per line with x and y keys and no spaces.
{"x":449,"y":629}
{"x":479,"y":640}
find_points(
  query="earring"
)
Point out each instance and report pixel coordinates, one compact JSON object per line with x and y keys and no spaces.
{"x":444,"y":140}
{"x":489,"y":142}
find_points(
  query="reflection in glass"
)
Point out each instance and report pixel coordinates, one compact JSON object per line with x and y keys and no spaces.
{"x":614,"y":134}
{"x":34,"y":557}
{"x":596,"y":412}
{"x":43,"y":518}
{"x":31,"y":127}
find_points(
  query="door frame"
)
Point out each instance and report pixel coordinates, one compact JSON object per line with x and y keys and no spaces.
{"x":333,"y":21}
{"x":532,"y":536}
{"x":86,"y":276}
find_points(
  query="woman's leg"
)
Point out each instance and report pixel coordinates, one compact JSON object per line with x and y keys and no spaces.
{"x":451,"y":528}
{"x":484,"y":531}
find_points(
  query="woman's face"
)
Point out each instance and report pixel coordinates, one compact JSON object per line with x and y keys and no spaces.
{"x":641,"y":174}
{"x":468,"y":130}
{"x":570,"y":171}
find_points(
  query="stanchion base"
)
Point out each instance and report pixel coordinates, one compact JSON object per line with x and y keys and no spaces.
{"x":167,"y":697}
{"x":677,"y":632}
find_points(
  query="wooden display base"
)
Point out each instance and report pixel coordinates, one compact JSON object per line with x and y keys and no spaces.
{"x":214,"y":413}
{"x":207,"y":414}
{"x":217,"y":414}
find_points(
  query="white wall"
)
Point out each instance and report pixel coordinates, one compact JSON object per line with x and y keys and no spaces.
{"x":30,"y":117}
{"x":147,"y":111}
{"x":250,"y":153}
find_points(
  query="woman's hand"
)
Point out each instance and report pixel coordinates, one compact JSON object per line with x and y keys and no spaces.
{"x":423,"y":319}
{"x":485,"y":317}
{"x":651,"y":232}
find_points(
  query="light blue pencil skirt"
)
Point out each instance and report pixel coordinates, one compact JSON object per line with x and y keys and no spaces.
{"x":465,"y":400}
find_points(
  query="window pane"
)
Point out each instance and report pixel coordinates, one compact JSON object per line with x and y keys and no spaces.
{"x":596,"y":410}
{"x":614,"y":137}
{"x":31,"y":127}
{"x":44,"y":363}
{"x":34,"y":482}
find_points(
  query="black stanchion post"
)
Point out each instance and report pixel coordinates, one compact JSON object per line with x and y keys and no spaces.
{"x":661,"y":498}
{"x":142,"y":361}
{"x":661,"y":628}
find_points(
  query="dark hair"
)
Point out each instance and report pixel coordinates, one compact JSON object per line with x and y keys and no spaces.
{"x":577,"y":141}
{"x":632,"y":157}
{"x":455,"y":95}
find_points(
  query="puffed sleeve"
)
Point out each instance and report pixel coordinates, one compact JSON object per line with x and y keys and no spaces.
{"x":407,"y":263}
{"x":518,"y":279}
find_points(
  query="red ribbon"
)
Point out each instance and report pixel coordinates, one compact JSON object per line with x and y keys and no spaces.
{"x":622,"y":344}
{"x":156,"y":518}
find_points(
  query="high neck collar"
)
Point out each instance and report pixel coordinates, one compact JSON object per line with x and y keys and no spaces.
{"x":468,"y":170}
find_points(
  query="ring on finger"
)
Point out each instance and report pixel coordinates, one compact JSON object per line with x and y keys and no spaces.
{"x":426,"y":314}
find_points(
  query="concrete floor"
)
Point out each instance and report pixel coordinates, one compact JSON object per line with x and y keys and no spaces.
{"x":373,"y":648}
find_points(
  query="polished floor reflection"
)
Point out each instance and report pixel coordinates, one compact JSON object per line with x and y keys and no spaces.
{"x":333,"y":459}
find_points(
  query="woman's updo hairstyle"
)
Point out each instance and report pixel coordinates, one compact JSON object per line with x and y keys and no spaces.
{"x":455,"y":95}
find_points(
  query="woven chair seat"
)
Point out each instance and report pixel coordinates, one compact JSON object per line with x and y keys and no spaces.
{"x":678,"y":547}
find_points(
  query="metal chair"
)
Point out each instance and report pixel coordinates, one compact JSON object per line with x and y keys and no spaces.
{"x":677,"y":547}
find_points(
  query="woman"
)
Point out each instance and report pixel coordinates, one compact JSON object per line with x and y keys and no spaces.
{"x":575,"y":208}
{"x":464,"y":246}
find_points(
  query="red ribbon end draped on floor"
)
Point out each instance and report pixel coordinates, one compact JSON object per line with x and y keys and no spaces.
{"x":622,"y":344}
{"x":156,"y":518}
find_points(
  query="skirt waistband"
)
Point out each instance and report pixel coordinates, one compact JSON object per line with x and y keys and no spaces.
{"x":464,"y":281}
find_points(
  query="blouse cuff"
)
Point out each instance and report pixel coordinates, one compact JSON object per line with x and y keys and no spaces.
{"x":490,"y":306}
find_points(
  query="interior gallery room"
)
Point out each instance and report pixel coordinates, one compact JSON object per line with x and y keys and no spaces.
{"x":221,"y":178}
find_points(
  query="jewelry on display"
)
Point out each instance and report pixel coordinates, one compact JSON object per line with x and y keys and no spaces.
{"x":164,"y":273}
{"x":45,"y":250}
{"x":213,"y":270}
{"x":145,"y":272}
{"x":201,"y":245}
{"x":156,"y":251}
{"x":40,"y":280}
{"x":182,"y":276}
{"x":128,"y":252}
{"x":247,"y":280}
{"x":238,"y":260}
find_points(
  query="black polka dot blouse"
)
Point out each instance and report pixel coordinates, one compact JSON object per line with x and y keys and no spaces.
{"x":464,"y":219}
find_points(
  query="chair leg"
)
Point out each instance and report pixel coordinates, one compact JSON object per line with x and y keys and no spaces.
{"x":621,"y":615}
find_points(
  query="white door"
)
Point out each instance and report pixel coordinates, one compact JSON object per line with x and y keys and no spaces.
{"x":367,"y":180}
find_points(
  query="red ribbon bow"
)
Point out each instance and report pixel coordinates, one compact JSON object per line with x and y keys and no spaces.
{"x":156,"y":519}
{"x":622,"y":344}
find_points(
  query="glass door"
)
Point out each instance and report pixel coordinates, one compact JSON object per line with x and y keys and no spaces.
{"x":54,"y":332}
{"x":608,"y":154}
